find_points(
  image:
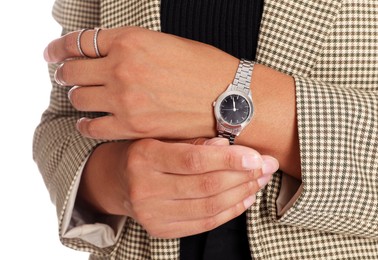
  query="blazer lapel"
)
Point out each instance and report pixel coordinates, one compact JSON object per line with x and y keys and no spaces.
{"x":292,"y":33}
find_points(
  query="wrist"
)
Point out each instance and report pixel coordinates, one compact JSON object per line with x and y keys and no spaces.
{"x":273,"y":129}
{"x":100,"y":185}
{"x":234,"y":109}
{"x":215,"y":81}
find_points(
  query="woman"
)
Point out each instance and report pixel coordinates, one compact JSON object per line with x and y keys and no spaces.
{"x":314,"y":92}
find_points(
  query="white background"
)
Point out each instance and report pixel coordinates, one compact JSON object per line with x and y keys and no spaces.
{"x":28,"y":221}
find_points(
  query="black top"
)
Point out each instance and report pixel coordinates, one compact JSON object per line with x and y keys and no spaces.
{"x":232,"y":26}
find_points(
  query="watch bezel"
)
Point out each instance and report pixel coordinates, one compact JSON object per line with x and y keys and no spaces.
{"x":234,"y":129}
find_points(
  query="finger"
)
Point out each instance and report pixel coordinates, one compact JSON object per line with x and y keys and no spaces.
{"x":63,"y":48}
{"x":82,"y":72}
{"x":195,"y":159}
{"x":98,"y":128}
{"x":69,"y":45}
{"x":270,"y":164}
{"x":191,"y":227}
{"x":193,"y":209}
{"x":90,"y":99}
{"x":208,"y":184}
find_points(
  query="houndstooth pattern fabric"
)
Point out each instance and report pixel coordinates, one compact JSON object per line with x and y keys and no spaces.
{"x":331,"y":49}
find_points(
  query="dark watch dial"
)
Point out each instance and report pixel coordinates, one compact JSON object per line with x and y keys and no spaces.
{"x":234,"y":109}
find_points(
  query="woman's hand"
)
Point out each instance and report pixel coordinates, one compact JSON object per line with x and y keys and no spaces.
{"x":175,"y":189}
{"x":151,"y":84}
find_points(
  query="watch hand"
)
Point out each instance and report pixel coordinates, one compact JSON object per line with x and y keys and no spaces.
{"x":233,"y":102}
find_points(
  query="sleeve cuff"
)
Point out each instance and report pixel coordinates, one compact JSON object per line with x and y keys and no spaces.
{"x":290,"y":191}
{"x":78,"y":222}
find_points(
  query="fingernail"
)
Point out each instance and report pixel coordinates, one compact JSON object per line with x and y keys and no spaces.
{"x":70,"y":91}
{"x":248,"y":202}
{"x":264,"y":180}
{"x":270,"y":165}
{"x":46,"y":54}
{"x":78,"y":122}
{"x":57,"y":75}
{"x":250,"y":162}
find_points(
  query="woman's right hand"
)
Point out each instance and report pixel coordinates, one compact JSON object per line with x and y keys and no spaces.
{"x":175,"y":189}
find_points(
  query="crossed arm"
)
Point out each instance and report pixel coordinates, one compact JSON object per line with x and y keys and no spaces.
{"x":159,"y":86}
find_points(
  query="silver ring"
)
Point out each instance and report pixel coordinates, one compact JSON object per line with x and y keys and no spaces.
{"x":78,"y":42}
{"x":95,"y":42}
{"x":60,"y":82}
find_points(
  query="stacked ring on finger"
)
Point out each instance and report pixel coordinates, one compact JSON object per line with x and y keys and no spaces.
{"x":95,"y":42}
{"x":78,"y":42}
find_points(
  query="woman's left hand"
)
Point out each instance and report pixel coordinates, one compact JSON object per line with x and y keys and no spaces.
{"x":151,"y":84}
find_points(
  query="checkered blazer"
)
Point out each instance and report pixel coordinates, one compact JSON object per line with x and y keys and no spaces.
{"x":331,"y":48}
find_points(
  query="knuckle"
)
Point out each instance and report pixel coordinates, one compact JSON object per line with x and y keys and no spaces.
{"x":134,"y":195}
{"x":138,"y":156}
{"x":131,"y":44}
{"x":122,"y":73}
{"x":209,"y":185}
{"x":139,"y":127}
{"x":69,"y":44}
{"x":135,"y":159}
{"x":229,"y":159}
{"x":248,"y":189}
{"x":237,"y":210}
{"x":148,"y":144}
{"x":194,"y":160}
{"x":210,"y":207}
{"x":131,"y":37}
{"x":255,"y":174}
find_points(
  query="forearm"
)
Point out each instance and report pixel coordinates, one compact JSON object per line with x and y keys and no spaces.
{"x":136,"y":103}
{"x":273,"y":129}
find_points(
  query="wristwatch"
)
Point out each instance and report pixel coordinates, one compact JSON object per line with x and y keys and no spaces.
{"x":233,"y":109}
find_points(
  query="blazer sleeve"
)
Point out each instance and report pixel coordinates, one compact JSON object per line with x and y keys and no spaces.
{"x":338,"y":134}
{"x":58,"y":149}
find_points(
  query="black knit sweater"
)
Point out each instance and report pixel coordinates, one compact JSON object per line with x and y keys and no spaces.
{"x":232,"y":26}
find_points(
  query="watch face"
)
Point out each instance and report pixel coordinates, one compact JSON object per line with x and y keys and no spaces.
{"x":234,"y":109}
